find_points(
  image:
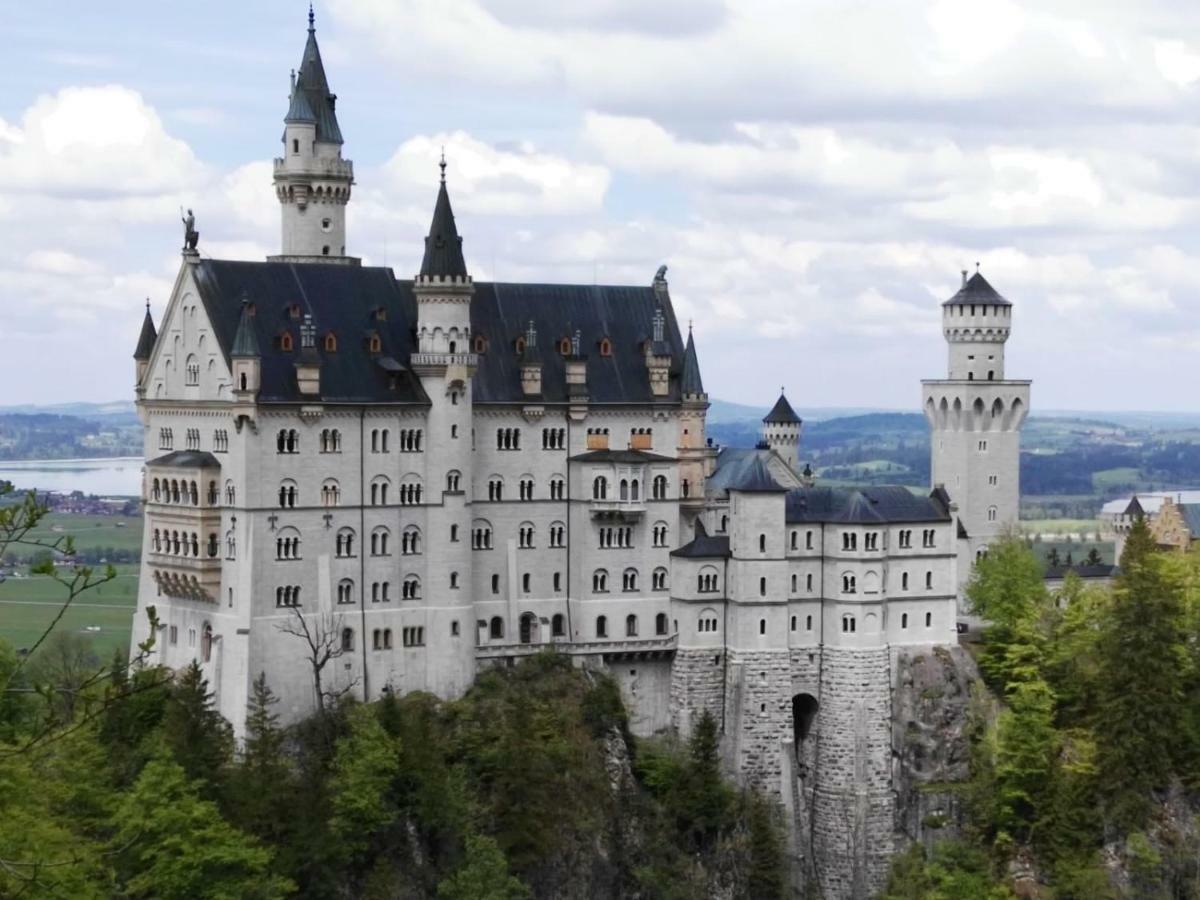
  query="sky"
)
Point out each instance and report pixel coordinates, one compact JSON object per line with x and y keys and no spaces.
{"x":815,"y":174}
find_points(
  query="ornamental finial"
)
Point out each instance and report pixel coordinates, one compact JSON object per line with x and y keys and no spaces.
{"x":311,"y":18}
{"x":442,"y":164}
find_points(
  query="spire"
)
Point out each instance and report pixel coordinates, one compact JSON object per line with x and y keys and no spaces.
{"x":314,"y":86}
{"x":443,"y":247}
{"x":245,"y":342}
{"x":976,"y":289}
{"x":691,"y":368}
{"x":146,"y":340}
{"x":782,"y":413}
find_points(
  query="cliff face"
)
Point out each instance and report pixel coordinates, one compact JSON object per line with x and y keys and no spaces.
{"x":930,"y":745}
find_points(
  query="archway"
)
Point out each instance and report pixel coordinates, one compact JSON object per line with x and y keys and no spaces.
{"x":528,"y":628}
{"x":804,"y":714}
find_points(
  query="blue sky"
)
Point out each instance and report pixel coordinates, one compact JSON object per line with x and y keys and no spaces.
{"x":815,"y":174}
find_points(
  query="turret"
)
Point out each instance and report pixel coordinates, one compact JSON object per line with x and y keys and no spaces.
{"x":145,"y":346}
{"x":976,"y":322}
{"x":781,"y":431}
{"x":245,"y":356}
{"x":308,"y":362}
{"x":312,"y":181}
{"x":531,"y":364}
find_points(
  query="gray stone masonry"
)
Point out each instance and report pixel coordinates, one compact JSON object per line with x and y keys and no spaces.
{"x":697,"y":677}
{"x":759,"y":715}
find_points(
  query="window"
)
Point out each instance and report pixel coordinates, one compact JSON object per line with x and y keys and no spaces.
{"x":481,"y":536}
{"x":848,"y":584}
{"x":526,"y":582}
{"x":496,"y":628}
{"x":601,"y":626}
{"x":525,"y":536}
{"x":871,"y":540}
{"x":848,"y":624}
{"x":905,"y":539}
{"x":453,"y":480}
{"x":631,"y":626}
{"x":287,"y":545}
{"x":558,"y":534}
{"x":495,"y":584}
{"x":413,"y":636}
{"x":287,"y":495}
{"x":557,"y":581}
{"x":379,"y":492}
{"x":480,"y":344}
{"x":762,"y":626}
{"x":707,"y":623}
{"x":410,"y":541}
{"x":795,"y":540}
{"x":287,"y":597}
{"x":660,"y":623}
{"x":707,"y":580}
{"x":379,"y":542}
{"x":554,"y":438}
{"x":904,"y":620}
{"x":287,"y":441}
{"x":762,"y":587}
{"x":166,"y":439}
{"x":345,"y":543}
{"x":192,"y":371}
{"x":410,"y":440}
{"x":525,"y":488}
{"x":929,"y":581}
{"x":928,"y":620}
{"x":557,"y":625}
{"x":454,"y":628}
{"x":658,"y":579}
{"x":808,"y":540}
{"x":808,"y":623}
{"x":659,"y":533}
{"x":295,"y":145}
{"x":331,"y":441}
{"x":599,"y":488}
{"x":983,"y":446}
{"x":330,"y":339}
{"x":762,"y":543}
{"x":331,"y":493}
{"x":495,"y":489}
{"x":993,"y":480}
{"x":658,"y":487}
{"x":599,"y":581}
{"x":508,"y":438}
{"x":557,"y":489}
{"x":991,"y":514}
{"x":411,"y":493}
{"x":927,"y":537}
{"x":345,"y":591}
{"x":904,"y":581}
{"x":605,"y":347}
{"x":849,"y":540}
{"x":174,"y":634}
{"x":629,"y":580}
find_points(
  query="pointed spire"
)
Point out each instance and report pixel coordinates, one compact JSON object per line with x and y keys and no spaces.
{"x":314,"y":86}
{"x":782,"y":413}
{"x":148,"y":337}
{"x":692,"y":384}
{"x":443,"y":247}
{"x":245,"y":342}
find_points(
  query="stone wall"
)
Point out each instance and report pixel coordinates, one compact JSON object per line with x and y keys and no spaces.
{"x":852,"y":805}
{"x":697,"y":684}
{"x":758,"y":726}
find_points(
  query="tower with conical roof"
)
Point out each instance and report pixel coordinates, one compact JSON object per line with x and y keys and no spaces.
{"x":445,"y":363}
{"x":145,"y":348}
{"x":975,"y":415}
{"x":781,"y":431}
{"x":312,"y":181}
{"x":696,"y":458}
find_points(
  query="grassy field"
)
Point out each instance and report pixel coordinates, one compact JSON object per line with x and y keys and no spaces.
{"x":28,"y":604}
{"x":1058,"y":526}
{"x":118,"y":532}
{"x":1109,"y":479}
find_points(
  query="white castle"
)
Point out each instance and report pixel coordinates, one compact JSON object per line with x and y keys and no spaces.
{"x":433,"y":475}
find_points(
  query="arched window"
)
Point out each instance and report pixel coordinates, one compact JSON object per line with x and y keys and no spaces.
{"x":345,"y":542}
{"x":600,"y":488}
{"x":658,"y":489}
{"x":848,"y":624}
{"x":287,"y":494}
{"x":658,"y":580}
{"x":605,"y":347}
{"x":453,"y":480}
{"x":849,"y":584}
{"x":410,"y":541}
{"x":496,"y":629}
{"x":660,"y":623}
{"x":481,"y":535}
{"x":345,"y":591}
{"x":629,"y":580}
{"x":411,"y":588}
{"x":631,"y":625}
{"x":762,"y":543}
{"x":331,"y":493}
{"x":347,"y":639}
{"x":904,"y":620}
{"x":601,"y":626}
{"x":599,"y":581}
{"x":379,"y":541}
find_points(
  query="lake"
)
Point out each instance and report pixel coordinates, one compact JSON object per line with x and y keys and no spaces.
{"x":119,"y":477}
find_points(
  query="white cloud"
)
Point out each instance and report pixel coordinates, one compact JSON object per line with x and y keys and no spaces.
{"x":1177,"y":62}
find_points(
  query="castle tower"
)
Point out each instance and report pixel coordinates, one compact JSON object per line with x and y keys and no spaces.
{"x":312,"y":181}
{"x":145,"y":349}
{"x":781,"y":431}
{"x":445,"y":364}
{"x":975,"y":416}
{"x":696,"y":458}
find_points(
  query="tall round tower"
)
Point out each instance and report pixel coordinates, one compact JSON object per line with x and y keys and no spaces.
{"x":975,"y":416}
{"x":312,"y":181}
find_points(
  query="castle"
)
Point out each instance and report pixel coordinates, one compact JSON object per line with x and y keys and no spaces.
{"x":391,"y":483}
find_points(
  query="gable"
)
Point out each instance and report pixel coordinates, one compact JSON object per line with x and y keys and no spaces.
{"x":188,"y":362}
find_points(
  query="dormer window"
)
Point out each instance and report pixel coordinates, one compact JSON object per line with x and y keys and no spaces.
{"x":605,"y":347}
{"x":520,"y":345}
{"x":564,"y":346}
{"x":285,"y":341}
{"x":480,"y":344}
{"x":374,"y":345}
{"x":293,"y":311}
{"x":330,"y":343}
{"x":379,"y":314}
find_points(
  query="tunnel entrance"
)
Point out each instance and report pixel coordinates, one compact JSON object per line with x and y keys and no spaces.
{"x":804,"y":713}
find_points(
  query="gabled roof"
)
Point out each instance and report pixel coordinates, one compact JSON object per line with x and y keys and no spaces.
{"x":443,"y":246}
{"x":702,"y":546}
{"x":245,"y":342}
{"x":186,"y":459}
{"x":782,"y":413}
{"x":977,"y":290}
{"x":691,"y":382}
{"x":868,"y":505}
{"x":1191,"y":515}
{"x":733,"y":462}
{"x":346,"y":300}
{"x":312,"y":83}
{"x":755,"y":479}
{"x":148,"y":337}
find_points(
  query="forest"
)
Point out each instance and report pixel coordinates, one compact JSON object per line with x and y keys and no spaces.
{"x":1085,"y":737}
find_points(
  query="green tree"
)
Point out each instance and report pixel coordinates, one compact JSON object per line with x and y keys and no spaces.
{"x":264,"y":761}
{"x":767,"y":876}
{"x":1140,"y":687}
{"x":1025,"y":747}
{"x":365,"y":765}
{"x":953,"y":870}
{"x":483,"y":875}
{"x":198,"y":736}
{"x":173,"y":845}
{"x":1007,"y":590}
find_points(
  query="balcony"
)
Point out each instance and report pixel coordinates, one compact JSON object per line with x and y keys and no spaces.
{"x":617,"y":510}
{"x":187,"y":577}
{"x":619,"y":649}
{"x":438,"y":360}
{"x":328,"y":168}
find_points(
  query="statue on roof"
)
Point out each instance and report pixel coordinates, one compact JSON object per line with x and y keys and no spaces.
{"x":191,"y":236}
{"x":661,"y":274}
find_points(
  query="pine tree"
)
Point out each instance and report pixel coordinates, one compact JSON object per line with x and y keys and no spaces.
{"x":483,"y":875}
{"x":263,"y":813}
{"x":198,"y":736}
{"x":1140,"y":685}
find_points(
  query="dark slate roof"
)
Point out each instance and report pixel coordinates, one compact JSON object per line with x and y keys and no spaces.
{"x":186,"y":459}
{"x":299,"y":109}
{"x":245,"y":342}
{"x":623,"y":314}
{"x":344,"y":300}
{"x":443,"y":246}
{"x":621,"y":456}
{"x":702,"y":546}
{"x":340,"y":299}
{"x":311,"y":81}
{"x":1134,"y":508}
{"x":691,"y":383}
{"x":977,"y":290}
{"x":782,"y":413}
{"x":146,"y":340}
{"x":1054,"y":573}
{"x":755,"y":479}
{"x":867,"y":505}
{"x":1191,"y":515}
